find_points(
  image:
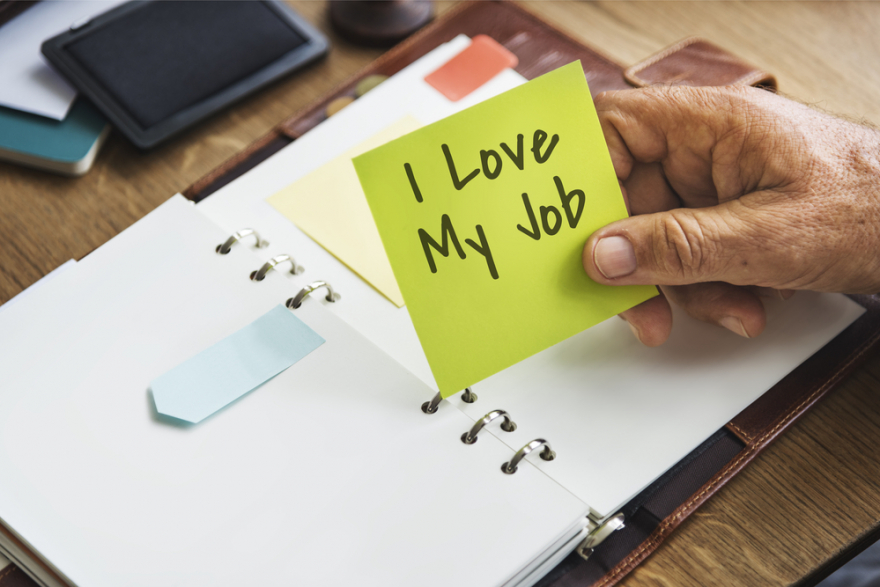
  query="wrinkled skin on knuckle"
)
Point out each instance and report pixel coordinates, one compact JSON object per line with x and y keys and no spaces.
{"x":722,"y":139}
{"x":763,"y":144}
{"x":683,"y":248}
{"x":702,"y":112}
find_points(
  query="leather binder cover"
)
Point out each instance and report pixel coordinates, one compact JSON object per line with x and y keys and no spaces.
{"x":657,"y":511}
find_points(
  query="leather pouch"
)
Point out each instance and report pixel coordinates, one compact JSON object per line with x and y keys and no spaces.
{"x":697,"y":62}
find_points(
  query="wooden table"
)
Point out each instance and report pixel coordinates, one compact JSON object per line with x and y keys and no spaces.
{"x":791,"y":514}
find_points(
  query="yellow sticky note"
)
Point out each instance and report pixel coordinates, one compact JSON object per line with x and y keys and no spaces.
{"x":328,"y":204}
{"x":484,"y":216}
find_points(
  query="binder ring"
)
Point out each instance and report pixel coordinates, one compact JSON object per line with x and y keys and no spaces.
{"x":507,"y":425}
{"x":237,"y":236}
{"x":297,"y":300}
{"x":598,"y":535}
{"x":431,"y":406}
{"x":547,"y":454}
{"x":468,"y":396}
{"x":261,"y":273}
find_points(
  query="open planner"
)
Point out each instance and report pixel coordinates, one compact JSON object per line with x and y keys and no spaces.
{"x":574,"y":393}
{"x":332,"y":472}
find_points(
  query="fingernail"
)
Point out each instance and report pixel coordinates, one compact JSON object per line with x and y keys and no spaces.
{"x":635,"y":331}
{"x":734,"y":325}
{"x":614,"y":257}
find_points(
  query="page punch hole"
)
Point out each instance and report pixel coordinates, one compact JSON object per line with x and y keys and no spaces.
{"x":468,"y":396}
{"x":431,"y":406}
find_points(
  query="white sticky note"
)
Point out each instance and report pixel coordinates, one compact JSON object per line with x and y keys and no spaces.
{"x":241,"y":362}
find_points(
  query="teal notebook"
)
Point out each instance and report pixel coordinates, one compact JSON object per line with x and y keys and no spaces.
{"x":64,"y":146}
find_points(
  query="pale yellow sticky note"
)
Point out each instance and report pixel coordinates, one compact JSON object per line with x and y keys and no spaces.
{"x":329,"y":205}
{"x":484,"y":216}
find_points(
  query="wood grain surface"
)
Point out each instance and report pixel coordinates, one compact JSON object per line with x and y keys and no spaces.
{"x":808,"y":498}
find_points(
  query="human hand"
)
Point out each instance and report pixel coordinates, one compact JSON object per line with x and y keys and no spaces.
{"x":735,"y":193}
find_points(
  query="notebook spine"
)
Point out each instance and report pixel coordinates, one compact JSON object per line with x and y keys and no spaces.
{"x":507,"y":424}
{"x":273,"y":263}
{"x":598,"y":531}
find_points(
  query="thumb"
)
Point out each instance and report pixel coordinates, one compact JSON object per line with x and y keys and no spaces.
{"x":683,"y":246}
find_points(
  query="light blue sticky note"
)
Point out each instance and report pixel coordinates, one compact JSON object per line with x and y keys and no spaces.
{"x":242,"y":361}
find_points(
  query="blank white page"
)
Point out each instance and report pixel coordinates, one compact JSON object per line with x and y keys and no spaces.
{"x":242,"y":202}
{"x":19,"y":335}
{"x":328,"y":474}
{"x":40,"y":285}
{"x":620,"y":414}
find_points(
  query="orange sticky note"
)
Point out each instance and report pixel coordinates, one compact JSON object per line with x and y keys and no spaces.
{"x":481,"y":61}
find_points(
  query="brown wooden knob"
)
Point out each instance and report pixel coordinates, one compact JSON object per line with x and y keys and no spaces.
{"x":379,"y":23}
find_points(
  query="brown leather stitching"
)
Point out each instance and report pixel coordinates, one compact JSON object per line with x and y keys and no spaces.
{"x":745,"y":435}
{"x":632,"y":71}
{"x":631,"y":74}
{"x":659,"y":534}
{"x":7,"y":571}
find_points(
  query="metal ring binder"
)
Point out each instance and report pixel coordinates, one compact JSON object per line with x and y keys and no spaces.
{"x":507,"y":425}
{"x":237,"y":236}
{"x":598,"y":535}
{"x":547,"y":454}
{"x":297,"y":300}
{"x":431,"y":406}
{"x":272,"y":263}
